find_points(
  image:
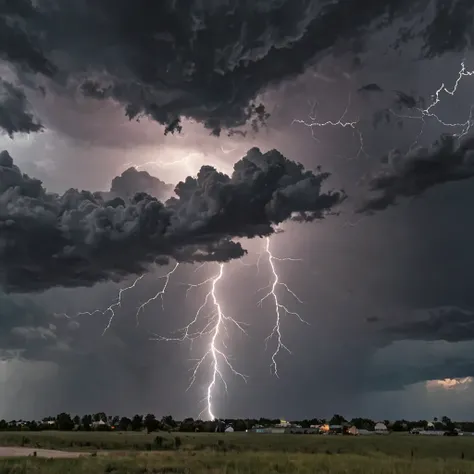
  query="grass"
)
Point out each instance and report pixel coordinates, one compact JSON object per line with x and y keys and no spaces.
{"x":240,"y":453}
{"x":232,"y":463}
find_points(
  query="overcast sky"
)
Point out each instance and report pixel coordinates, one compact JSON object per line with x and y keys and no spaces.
{"x":385,"y":293}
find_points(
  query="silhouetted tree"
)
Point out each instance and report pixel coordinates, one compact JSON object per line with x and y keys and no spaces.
{"x":64,"y":422}
{"x":151,"y":423}
{"x":337,"y":420}
{"x":168,"y":422}
{"x":137,"y":423}
{"x":125,"y":423}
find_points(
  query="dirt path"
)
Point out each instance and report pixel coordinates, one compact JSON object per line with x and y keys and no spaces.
{"x":9,"y":452}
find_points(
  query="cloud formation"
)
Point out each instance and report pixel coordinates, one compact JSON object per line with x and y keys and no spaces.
{"x":169,"y":60}
{"x":132,"y":181}
{"x":78,"y":239}
{"x":451,"y":324}
{"x":15,"y":116}
{"x":413,"y":173}
{"x":29,"y":332}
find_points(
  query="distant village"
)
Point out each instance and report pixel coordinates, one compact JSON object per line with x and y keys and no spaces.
{"x":431,"y":429}
{"x":338,"y":425}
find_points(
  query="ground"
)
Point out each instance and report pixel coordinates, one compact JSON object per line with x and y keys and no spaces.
{"x":235,"y":453}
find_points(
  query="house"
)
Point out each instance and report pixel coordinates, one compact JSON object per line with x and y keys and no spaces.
{"x":229,"y":429}
{"x":99,"y":425}
{"x":358,"y":432}
{"x":381,"y":428}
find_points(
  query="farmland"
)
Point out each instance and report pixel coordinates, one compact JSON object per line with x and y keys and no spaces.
{"x":240,"y":453}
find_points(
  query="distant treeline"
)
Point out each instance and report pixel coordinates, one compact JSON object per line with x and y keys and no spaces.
{"x":150,"y":423}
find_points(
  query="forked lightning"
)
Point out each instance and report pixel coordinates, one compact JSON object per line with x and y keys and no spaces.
{"x":280,"y":309}
{"x":214,"y":326}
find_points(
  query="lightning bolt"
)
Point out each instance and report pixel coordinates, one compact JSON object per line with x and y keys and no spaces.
{"x":160,"y":293}
{"x":110,"y":309}
{"x":215,"y":327}
{"x":162,"y":164}
{"x":280,"y":309}
{"x":313,"y":125}
{"x":424,"y":114}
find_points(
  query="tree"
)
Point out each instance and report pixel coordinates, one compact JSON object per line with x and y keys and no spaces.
{"x":137,"y":422}
{"x":448,"y":423}
{"x":151,"y":423}
{"x":86,"y":422}
{"x":187,"y":425}
{"x":124,"y":423}
{"x":64,"y":422}
{"x":337,"y":420}
{"x":168,"y":422}
{"x":101,"y":416}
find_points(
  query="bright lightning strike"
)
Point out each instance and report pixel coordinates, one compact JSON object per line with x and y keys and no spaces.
{"x":160,"y":293}
{"x":424,"y":114}
{"x":118,"y":301}
{"x":280,"y":309}
{"x":215,"y":328}
{"x":110,"y":309}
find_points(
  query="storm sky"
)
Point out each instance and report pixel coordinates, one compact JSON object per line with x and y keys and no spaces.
{"x":385,"y":274}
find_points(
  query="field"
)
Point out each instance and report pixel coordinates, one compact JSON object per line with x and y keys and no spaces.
{"x":240,"y":453}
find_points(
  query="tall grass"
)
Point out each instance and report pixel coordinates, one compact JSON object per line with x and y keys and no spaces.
{"x":395,"y":445}
{"x":233,"y":463}
{"x":241,"y":453}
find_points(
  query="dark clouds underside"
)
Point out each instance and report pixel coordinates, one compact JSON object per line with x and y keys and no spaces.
{"x":15,"y":116}
{"x":79,"y":238}
{"x":410,"y":174}
{"x":205,"y":60}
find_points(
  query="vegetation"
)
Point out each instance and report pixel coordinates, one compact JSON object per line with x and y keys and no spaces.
{"x":218,"y":463}
{"x":238,"y":453}
{"x":103,"y":422}
{"x":145,"y":444}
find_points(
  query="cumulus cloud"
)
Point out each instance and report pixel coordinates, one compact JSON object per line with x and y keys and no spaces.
{"x":169,"y":60}
{"x":132,"y":181}
{"x":411,"y":174}
{"x":78,"y":239}
{"x":15,"y":116}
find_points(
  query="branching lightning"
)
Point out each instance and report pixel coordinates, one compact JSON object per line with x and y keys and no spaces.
{"x":160,"y":293}
{"x":424,"y":114}
{"x":117,"y":304}
{"x":215,"y":327}
{"x":110,"y":309}
{"x":280,"y":309}
{"x":313,"y":125}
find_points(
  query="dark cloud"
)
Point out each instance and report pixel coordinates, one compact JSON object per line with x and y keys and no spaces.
{"x":132,"y":181}
{"x":29,"y":332}
{"x":412,"y":173}
{"x":167,"y":60}
{"x":79,"y":239}
{"x":407,"y":362}
{"x":372,"y":87}
{"x":449,"y":324}
{"x":15,"y":116}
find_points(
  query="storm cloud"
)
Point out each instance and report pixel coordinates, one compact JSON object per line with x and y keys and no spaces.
{"x":29,"y":332}
{"x":450,"y":324}
{"x":167,"y":60}
{"x":132,"y":181}
{"x":411,"y":174}
{"x":15,"y":116}
{"x":79,"y":238}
